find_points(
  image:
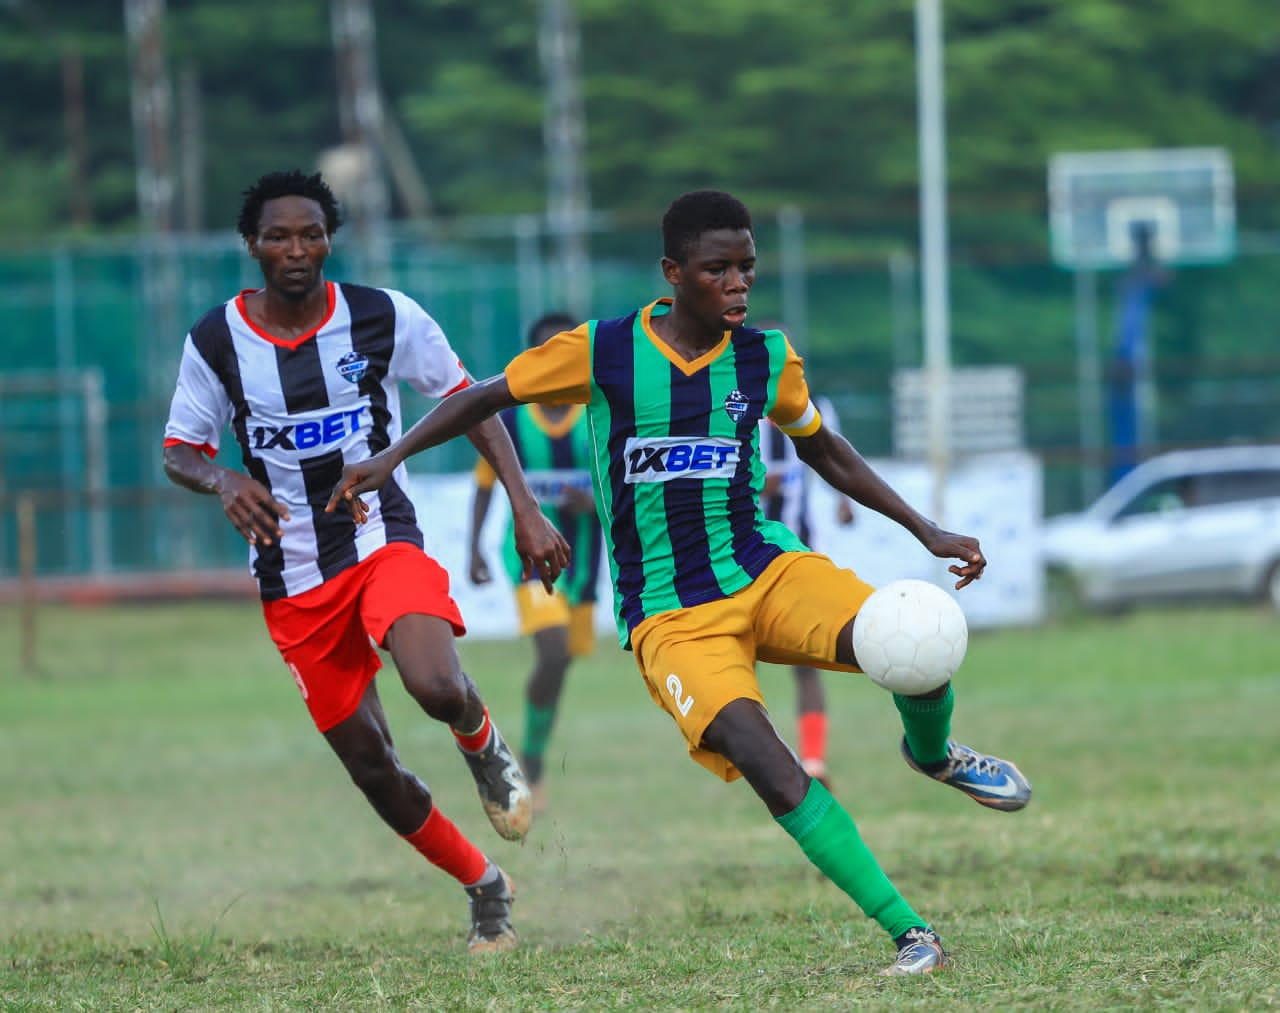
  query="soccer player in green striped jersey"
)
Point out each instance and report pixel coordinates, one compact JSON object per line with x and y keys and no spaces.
{"x":704,"y":585}
{"x":553,"y":446}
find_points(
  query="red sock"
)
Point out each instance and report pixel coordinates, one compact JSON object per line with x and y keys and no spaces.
{"x":441,"y":843}
{"x":477,"y":740}
{"x":813,"y":736}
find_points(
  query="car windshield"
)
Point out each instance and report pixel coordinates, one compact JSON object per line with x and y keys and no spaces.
{"x":1162,"y":497}
{"x":1241,"y":484}
{"x":1210,"y":488}
{"x":1231,"y":475}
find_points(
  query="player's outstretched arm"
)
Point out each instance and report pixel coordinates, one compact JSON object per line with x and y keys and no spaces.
{"x":844,"y":469}
{"x":247,"y":503}
{"x":542,"y":549}
{"x":449,"y":419}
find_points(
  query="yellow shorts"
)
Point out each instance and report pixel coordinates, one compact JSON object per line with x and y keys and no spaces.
{"x":697,"y":660}
{"x":539,"y":611}
{"x":582,"y":630}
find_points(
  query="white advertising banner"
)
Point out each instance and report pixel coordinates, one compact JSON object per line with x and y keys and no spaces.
{"x":996,"y":498}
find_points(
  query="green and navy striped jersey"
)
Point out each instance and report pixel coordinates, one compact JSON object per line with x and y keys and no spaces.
{"x":553,"y":457}
{"x":677,"y":467}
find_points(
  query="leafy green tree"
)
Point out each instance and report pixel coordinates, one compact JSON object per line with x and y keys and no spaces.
{"x":811,"y":104}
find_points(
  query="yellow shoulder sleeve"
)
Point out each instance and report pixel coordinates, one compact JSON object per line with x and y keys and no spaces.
{"x":556,"y":372}
{"x":793,"y":412}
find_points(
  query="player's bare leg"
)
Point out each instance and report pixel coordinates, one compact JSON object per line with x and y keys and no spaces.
{"x":427,"y":657}
{"x":363,"y":743}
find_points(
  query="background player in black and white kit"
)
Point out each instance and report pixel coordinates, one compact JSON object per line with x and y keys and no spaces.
{"x":785,"y":498}
{"x":306,"y":373}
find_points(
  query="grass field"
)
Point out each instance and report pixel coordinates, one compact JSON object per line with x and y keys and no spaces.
{"x":174,"y":835}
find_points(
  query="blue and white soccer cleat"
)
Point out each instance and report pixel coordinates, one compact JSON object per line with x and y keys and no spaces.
{"x":988,"y":780}
{"x":922,"y":953}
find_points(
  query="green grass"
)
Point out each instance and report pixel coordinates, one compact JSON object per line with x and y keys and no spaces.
{"x":174,"y":835}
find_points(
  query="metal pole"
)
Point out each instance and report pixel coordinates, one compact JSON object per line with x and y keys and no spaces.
{"x":360,"y":119}
{"x":931,"y":127}
{"x":151,"y":102}
{"x":191,"y":132}
{"x":904,"y":322}
{"x":1088,"y":384}
{"x":27,"y":579}
{"x":96,"y":471}
{"x":795,"y":296}
{"x":528,"y":270}
{"x":564,"y":133}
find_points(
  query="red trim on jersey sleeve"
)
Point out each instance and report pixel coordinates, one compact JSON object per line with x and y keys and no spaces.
{"x":204,"y":448}
{"x":331,"y":301}
{"x":466,"y":382}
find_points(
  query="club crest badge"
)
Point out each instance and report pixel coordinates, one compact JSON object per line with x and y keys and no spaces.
{"x":353,"y":366}
{"x":736,"y":405}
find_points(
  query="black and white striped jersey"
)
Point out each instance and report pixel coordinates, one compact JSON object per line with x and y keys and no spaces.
{"x":302,"y":409}
{"x":790,"y":504}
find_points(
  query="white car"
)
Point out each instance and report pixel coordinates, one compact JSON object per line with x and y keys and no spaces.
{"x":1188,"y":524}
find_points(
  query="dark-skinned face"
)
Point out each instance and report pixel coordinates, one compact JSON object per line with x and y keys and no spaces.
{"x":291,"y":246}
{"x":712,"y":283}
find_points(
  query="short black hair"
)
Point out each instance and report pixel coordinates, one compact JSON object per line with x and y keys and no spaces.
{"x":696,"y":212}
{"x":288,"y":183}
{"x":548,"y":324}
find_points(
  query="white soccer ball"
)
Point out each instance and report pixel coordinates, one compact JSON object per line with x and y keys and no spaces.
{"x":910,"y":637}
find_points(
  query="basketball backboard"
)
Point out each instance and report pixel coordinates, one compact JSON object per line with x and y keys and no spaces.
{"x":1099,"y":200}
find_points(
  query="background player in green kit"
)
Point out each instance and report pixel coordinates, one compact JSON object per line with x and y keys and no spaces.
{"x":704,"y":584}
{"x":554,"y":449}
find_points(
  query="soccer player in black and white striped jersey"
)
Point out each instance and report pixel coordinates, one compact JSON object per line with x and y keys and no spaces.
{"x":785,"y":498}
{"x":306,"y":373}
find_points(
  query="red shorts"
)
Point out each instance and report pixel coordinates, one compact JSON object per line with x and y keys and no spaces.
{"x":327,"y":635}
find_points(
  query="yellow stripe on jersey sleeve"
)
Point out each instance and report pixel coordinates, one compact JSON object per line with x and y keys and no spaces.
{"x":793,"y":412}
{"x":556,"y":372}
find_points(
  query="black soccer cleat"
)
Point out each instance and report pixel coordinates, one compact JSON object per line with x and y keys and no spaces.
{"x":491,"y":930}
{"x":504,"y":792}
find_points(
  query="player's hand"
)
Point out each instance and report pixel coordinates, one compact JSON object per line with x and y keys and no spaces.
{"x":478,"y":570}
{"x":250,"y":506}
{"x":948,"y":545}
{"x":844,"y":512}
{"x":543,"y":551}
{"x":365,"y":476}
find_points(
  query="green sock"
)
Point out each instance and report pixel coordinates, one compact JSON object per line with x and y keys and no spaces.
{"x":537,"y":728}
{"x":927,"y":725}
{"x":827,"y":835}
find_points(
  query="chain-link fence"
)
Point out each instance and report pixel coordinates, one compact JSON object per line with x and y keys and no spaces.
{"x":94,"y":335}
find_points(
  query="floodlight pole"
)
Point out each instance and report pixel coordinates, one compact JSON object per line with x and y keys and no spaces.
{"x":931,"y":126}
{"x":565,"y":139}
{"x":1088,"y":381}
{"x":795,"y":298}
